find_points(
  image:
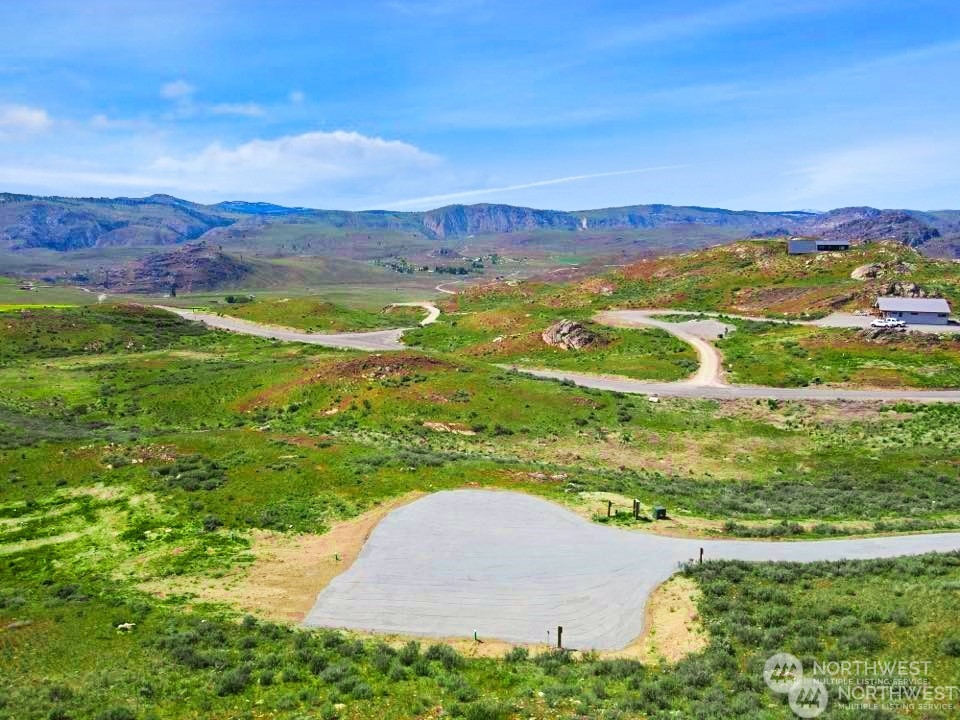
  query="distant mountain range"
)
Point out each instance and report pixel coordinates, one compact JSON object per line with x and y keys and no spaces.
{"x":70,"y":224}
{"x":158,"y":243}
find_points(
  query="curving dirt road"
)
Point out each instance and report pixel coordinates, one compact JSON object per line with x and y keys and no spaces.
{"x":513,"y":567}
{"x":710,"y":372}
{"x":433,"y":312}
{"x":441,"y":288}
{"x":708,"y":381}
{"x":374,"y":341}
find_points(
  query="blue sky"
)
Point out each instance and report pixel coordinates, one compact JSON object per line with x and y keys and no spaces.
{"x":409,"y":104}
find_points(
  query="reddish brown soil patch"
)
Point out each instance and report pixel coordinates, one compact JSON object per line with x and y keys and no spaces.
{"x":376,"y":366}
{"x":379,"y":366}
{"x":510,"y":345}
{"x":598,"y":286}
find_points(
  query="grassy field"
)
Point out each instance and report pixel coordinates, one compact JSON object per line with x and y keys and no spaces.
{"x":10,"y":307}
{"x":502,"y":322}
{"x":511,"y":334}
{"x":318,"y":315}
{"x":156,"y":376}
{"x":63,"y":656}
{"x":137,"y":448}
{"x":797,"y":355}
{"x":11,"y":296}
{"x":759,"y":278}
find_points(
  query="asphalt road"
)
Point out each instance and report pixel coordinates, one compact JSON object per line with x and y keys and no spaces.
{"x":834,"y":320}
{"x":733,"y":392}
{"x":514,"y":567}
{"x":707,"y":382}
{"x":375,"y":341}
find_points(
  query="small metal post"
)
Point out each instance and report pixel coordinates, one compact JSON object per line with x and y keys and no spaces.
{"x":636,"y":509}
{"x":701,"y":556}
{"x":609,"y":508}
{"x":559,"y":637}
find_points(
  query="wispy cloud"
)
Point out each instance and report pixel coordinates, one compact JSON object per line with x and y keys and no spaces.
{"x":479,"y":192}
{"x":719,"y":18}
{"x":186,"y":105}
{"x":177,"y":90}
{"x":876,"y":173}
{"x":22,"y":119}
{"x":247,"y":109}
{"x":102,"y":121}
{"x":314,"y":164}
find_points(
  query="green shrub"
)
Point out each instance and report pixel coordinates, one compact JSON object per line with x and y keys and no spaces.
{"x":516,"y":654}
{"x":233,"y":681}
{"x":117,"y":713}
{"x":409,"y":653}
{"x":445,"y":655}
{"x":951,"y":646}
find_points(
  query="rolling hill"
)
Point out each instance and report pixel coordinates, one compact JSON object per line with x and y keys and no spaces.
{"x":102,"y":236}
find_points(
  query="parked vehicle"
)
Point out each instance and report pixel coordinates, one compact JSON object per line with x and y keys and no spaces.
{"x":887,"y":323}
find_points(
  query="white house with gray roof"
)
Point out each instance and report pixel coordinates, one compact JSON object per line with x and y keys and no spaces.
{"x":916,"y":311}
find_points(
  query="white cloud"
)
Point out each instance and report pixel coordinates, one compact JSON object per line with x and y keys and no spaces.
{"x":337,"y":169}
{"x":177,"y":90}
{"x":18,"y":119}
{"x":291,"y":163}
{"x":297,"y":97}
{"x":182,"y":94}
{"x":247,"y":109}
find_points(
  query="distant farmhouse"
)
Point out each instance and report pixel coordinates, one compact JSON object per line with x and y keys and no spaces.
{"x":808,"y":245}
{"x":918,"y":311}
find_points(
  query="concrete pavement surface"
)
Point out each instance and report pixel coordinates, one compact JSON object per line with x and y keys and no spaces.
{"x":734,"y":392}
{"x":513,"y":567}
{"x":375,"y":341}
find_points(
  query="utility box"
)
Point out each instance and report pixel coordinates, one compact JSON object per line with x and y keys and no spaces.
{"x":659,"y":513}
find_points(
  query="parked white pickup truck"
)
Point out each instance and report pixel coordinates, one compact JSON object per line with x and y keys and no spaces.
{"x":887,"y":323}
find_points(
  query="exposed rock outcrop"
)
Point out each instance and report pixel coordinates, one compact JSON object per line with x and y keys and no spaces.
{"x":188,"y":268}
{"x":866,"y":272}
{"x":904,"y":289}
{"x":882,"y":335}
{"x":570,"y":335}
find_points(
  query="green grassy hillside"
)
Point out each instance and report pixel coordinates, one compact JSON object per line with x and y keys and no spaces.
{"x":143,"y":456}
{"x":753,"y":278}
{"x":317,"y":315}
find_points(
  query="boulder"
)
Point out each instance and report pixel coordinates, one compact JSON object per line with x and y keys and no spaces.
{"x":904,"y":289}
{"x":866,"y":272}
{"x":570,"y":335}
{"x":883,"y":334}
